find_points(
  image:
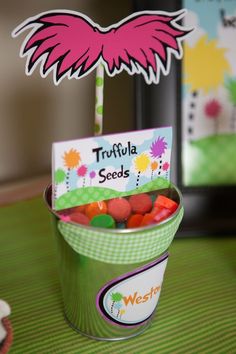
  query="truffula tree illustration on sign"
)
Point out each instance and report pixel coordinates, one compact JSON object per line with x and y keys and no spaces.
{"x":119,"y":165}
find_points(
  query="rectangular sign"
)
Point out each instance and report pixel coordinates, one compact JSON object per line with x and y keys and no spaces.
{"x":209,"y":94}
{"x":110,"y":166}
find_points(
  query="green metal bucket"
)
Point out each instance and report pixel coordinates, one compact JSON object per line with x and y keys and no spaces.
{"x":111,"y":279}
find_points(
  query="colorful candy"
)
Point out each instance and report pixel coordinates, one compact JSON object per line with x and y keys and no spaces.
{"x":140,"y":203}
{"x":103,"y":220}
{"x":138,"y":210}
{"x":160,"y":214}
{"x":95,"y":208}
{"x":79,"y":218}
{"x":134,"y":221}
{"x":148,"y":219}
{"x":119,"y":209}
{"x":165,"y":202}
{"x":120,"y":225}
{"x":80,"y":208}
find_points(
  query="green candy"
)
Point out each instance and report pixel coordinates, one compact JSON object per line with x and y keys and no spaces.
{"x":103,"y":220}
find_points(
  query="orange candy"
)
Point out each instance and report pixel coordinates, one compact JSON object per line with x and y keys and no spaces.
{"x":134,"y":221}
{"x":95,"y":208}
{"x":79,"y":209}
{"x":165,"y":202}
{"x":148,"y":219}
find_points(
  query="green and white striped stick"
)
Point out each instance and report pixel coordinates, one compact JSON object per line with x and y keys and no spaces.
{"x":99,"y":100}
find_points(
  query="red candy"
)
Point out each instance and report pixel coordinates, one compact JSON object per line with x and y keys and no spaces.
{"x":165,"y":202}
{"x":148,"y":219}
{"x":119,"y":209}
{"x":160,"y":214}
{"x":79,"y":218}
{"x":134,"y":221}
{"x":140,"y":203}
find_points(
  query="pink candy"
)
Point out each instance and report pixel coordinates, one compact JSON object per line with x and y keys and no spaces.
{"x":119,"y":209}
{"x":140,"y":203}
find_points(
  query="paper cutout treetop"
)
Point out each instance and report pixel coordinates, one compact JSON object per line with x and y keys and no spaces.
{"x":70,"y":44}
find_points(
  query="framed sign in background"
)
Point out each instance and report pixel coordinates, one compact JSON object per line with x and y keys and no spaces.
{"x":198,"y":99}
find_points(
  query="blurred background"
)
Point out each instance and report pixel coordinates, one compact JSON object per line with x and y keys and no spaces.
{"x":34,"y":112}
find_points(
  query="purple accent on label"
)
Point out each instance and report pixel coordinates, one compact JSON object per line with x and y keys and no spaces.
{"x":103,"y":291}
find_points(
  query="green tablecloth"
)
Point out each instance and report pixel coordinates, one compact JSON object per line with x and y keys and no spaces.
{"x":197,"y":311}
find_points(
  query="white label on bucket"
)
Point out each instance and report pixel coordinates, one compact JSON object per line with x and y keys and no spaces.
{"x":131,"y":299}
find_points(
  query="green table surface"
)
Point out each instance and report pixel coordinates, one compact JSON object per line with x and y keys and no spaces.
{"x":196,"y":314}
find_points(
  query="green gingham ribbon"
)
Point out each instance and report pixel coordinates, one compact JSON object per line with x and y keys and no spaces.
{"x":118,"y":247}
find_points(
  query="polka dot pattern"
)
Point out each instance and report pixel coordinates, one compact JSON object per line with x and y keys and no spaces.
{"x":100,"y":110}
{"x":99,"y":81}
{"x":99,"y":100}
{"x":90,"y":194}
